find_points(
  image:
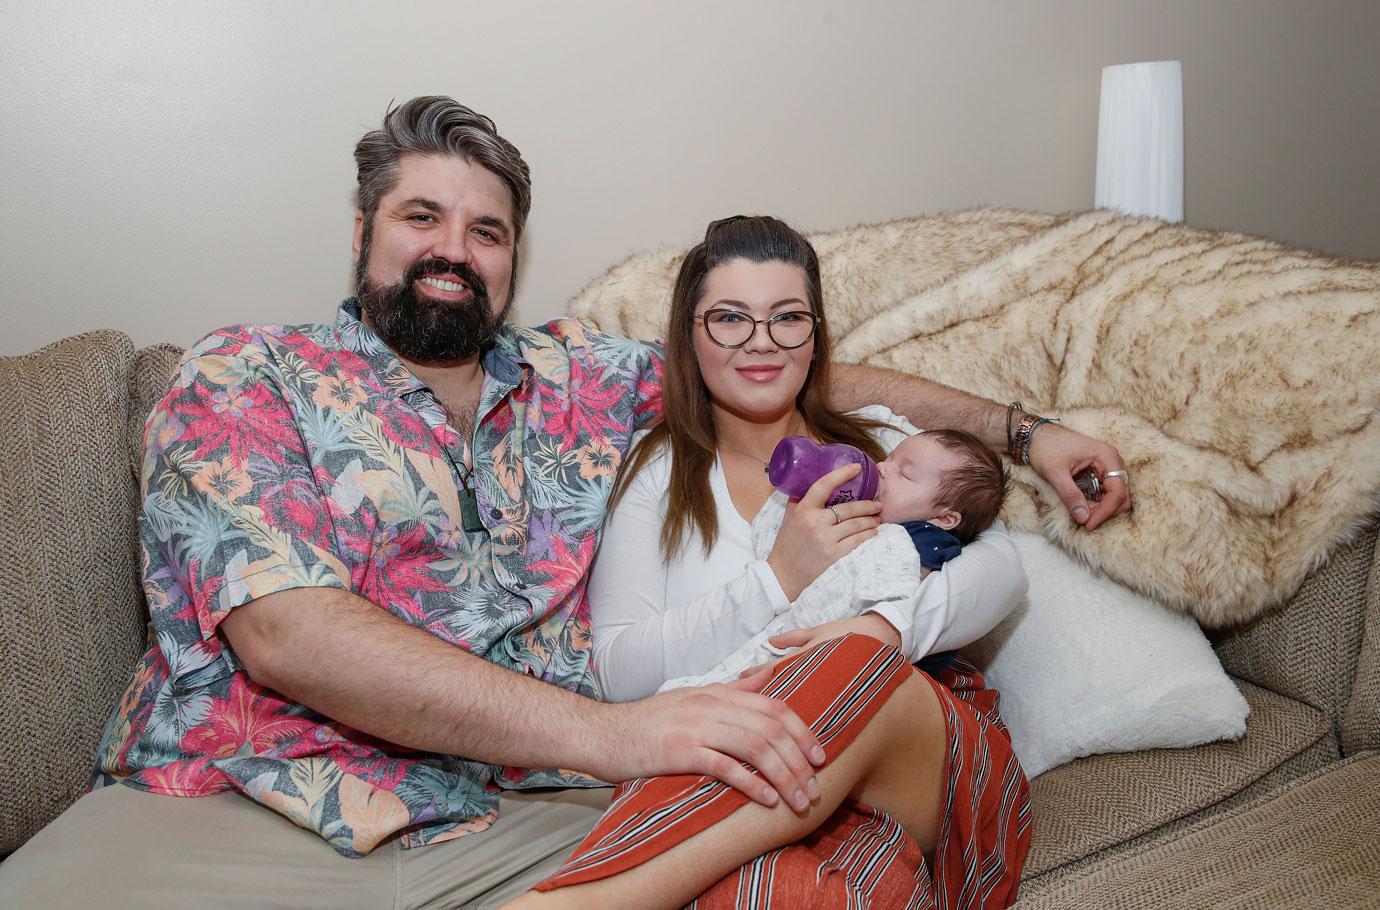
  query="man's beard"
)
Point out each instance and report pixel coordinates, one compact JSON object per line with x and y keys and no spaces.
{"x":430,"y":331}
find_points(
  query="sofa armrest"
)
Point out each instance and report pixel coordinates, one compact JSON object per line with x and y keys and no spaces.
{"x":1361,"y":720}
{"x":1309,"y":648}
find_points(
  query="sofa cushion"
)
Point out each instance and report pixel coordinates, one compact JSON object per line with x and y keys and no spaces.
{"x":1312,"y":843}
{"x":1093,"y":803}
{"x":71,"y":612}
{"x":1308,"y":649}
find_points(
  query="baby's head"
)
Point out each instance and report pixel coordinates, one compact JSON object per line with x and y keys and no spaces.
{"x":946,"y":477}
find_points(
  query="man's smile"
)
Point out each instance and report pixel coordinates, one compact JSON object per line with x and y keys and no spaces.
{"x":449,"y":288}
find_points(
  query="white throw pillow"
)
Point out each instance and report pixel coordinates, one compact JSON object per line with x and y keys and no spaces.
{"x":1086,"y":666}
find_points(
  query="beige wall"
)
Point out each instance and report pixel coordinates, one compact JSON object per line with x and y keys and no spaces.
{"x":166,"y":168}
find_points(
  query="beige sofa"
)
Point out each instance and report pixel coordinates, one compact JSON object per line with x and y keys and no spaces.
{"x":1288,"y":816}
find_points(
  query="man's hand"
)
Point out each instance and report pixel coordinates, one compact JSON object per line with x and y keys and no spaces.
{"x":1058,"y":453}
{"x":712,"y":730}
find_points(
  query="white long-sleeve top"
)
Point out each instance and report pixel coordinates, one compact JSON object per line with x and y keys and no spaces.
{"x":654,"y":621}
{"x":883,"y":574}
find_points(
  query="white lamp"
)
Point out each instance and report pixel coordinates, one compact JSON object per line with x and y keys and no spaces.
{"x":1140,"y":140}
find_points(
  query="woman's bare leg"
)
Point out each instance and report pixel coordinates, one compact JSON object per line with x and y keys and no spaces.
{"x":896,"y":763}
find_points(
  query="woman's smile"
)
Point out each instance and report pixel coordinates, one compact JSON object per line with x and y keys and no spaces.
{"x":763,"y":372}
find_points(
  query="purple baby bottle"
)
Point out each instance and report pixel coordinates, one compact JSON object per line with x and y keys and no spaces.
{"x":798,"y":462}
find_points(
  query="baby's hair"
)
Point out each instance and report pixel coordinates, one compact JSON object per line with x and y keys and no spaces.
{"x":975,"y":490}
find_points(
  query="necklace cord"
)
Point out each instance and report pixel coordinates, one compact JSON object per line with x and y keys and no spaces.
{"x":764,"y":462}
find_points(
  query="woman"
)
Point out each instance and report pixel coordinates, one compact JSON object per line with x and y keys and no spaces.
{"x":677,"y":586}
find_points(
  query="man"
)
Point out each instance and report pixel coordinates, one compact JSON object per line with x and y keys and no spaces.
{"x":423,"y":457}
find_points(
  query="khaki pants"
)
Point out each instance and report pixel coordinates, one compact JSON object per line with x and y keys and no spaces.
{"x":123,"y":847}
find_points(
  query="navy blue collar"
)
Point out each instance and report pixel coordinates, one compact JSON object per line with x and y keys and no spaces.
{"x":935,"y":545}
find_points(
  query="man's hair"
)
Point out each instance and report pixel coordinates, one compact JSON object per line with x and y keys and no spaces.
{"x":435,"y":124}
{"x":977,"y":488}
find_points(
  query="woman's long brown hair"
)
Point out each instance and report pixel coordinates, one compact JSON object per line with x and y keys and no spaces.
{"x":687,"y":425}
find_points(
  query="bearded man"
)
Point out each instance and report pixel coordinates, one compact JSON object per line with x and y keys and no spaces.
{"x":364,"y":549}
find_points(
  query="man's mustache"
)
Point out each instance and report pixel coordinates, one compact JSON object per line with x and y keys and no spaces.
{"x":441,"y":268}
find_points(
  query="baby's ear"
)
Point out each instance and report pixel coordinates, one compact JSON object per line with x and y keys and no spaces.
{"x":947,"y":519}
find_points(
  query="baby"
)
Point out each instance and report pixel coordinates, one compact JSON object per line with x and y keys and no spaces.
{"x":938,"y":491}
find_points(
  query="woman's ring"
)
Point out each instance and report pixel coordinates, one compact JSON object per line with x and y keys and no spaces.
{"x":1122,"y":474}
{"x":836,"y":514}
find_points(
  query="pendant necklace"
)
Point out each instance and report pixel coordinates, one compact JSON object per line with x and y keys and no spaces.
{"x":765,"y":463}
{"x":469,"y":504}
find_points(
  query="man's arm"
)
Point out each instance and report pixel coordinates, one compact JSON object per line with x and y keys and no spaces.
{"x":926,"y":403}
{"x":348,"y":659}
{"x":1056,"y":453}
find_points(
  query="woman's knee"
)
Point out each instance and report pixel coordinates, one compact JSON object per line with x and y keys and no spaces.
{"x":906,"y":769}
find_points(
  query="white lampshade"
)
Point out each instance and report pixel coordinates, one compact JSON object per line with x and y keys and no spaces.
{"x":1140,"y":140}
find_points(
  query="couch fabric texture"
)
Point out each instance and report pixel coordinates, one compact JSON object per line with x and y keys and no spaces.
{"x":71,"y":609}
{"x":1106,"y":802}
{"x":1312,"y":843}
{"x":1361,"y":717}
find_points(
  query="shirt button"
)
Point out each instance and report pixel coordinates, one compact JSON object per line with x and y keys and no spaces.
{"x":495,"y":513}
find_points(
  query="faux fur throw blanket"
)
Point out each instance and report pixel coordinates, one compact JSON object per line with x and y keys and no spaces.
{"x":1238,"y":377}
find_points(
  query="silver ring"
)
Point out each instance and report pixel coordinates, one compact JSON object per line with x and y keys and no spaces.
{"x":1122,"y":474}
{"x":836,"y":515}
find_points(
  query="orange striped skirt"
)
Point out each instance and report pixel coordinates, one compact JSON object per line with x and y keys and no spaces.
{"x":860,"y":856}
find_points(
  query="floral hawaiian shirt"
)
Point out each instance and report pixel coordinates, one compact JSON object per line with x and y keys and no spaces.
{"x":309,"y":456}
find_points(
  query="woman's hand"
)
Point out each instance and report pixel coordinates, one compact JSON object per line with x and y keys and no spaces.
{"x":814,"y":536}
{"x":870,"y":624}
{"x":1058,"y":453}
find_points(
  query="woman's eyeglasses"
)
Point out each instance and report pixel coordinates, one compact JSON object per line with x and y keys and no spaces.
{"x":734,"y":328}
